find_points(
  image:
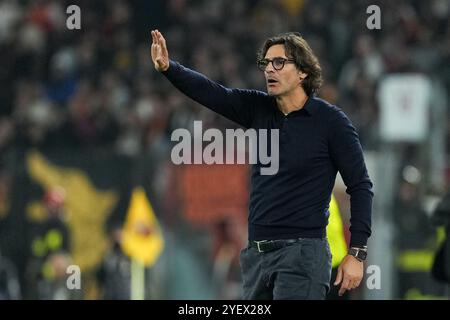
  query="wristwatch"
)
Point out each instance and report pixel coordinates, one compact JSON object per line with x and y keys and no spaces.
{"x":359,"y":253}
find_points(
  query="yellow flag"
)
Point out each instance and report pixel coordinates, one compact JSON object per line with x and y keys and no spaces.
{"x":335,"y":233}
{"x":142,"y":238}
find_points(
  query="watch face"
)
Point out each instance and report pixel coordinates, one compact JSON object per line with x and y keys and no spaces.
{"x":359,"y":254}
{"x":362,"y":255}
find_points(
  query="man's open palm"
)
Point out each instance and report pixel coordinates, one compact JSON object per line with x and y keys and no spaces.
{"x":160,"y":56}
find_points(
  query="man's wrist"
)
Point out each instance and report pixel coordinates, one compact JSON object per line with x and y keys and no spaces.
{"x":165,"y":68}
{"x":168,"y":67}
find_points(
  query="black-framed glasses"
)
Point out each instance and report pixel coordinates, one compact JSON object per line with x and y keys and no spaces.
{"x":277,"y":63}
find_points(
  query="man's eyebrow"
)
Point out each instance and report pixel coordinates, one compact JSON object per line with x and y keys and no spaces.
{"x":276,"y":57}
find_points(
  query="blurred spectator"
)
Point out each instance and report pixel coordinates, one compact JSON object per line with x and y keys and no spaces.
{"x":53,"y":284}
{"x":226,"y":270}
{"x":9,"y":281}
{"x":50,"y":247}
{"x":114,"y":273}
{"x":441,"y":265}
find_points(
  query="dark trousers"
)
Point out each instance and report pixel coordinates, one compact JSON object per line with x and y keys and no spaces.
{"x":298,"y":271}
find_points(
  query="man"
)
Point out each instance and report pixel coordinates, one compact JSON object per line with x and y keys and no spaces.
{"x":288,"y":256}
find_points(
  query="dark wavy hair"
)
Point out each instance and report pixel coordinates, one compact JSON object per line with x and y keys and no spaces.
{"x":298,"y":49}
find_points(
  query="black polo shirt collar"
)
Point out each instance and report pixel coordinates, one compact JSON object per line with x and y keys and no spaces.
{"x":308,"y":108}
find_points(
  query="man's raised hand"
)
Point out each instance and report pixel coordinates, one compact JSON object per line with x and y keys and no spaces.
{"x":160,"y":56}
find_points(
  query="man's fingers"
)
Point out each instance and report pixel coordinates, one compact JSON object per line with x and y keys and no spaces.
{"x":156,"y":47}
{"x":349,"y":284}
{"x":163,"y":45}
{"x":356,"y":284}
{"x":344,"y":286}
{"x":338,"y":277}
{"x":162,"y":41}
{"x":341,"y":292}
{"x":156,"y":37}
{"x":160,"y":37}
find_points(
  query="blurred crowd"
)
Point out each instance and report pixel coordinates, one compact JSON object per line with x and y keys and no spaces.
{"x":96,"y":87}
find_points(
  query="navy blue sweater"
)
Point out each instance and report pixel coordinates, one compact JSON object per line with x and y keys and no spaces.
{"x":315,"y":143}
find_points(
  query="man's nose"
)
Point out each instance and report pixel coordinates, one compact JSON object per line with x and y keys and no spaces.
{"x":269,"y":69}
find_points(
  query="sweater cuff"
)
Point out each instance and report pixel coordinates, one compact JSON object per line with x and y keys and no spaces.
{"x":358,"y":239}
{"x":172,"y":67}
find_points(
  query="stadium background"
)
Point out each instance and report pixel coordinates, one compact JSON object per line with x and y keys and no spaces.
{"x":85,"y":119}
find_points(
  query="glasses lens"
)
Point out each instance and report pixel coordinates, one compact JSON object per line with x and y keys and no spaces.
{"x":278,"y":63}
{"x":262,"y":64}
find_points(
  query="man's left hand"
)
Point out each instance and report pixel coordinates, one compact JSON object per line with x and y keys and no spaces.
{"x":350,"y":273}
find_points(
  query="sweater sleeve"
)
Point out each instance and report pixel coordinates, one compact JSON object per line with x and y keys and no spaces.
{"x":347,"y":155}
{"x":238,"y":105}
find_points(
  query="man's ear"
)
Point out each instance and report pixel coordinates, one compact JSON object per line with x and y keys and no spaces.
{"x":302,"y":75}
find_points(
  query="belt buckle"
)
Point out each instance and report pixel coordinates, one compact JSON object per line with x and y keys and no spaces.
{"x":257,"y":245}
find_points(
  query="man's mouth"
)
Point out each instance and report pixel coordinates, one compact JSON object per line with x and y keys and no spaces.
{"x":271,"y":82}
